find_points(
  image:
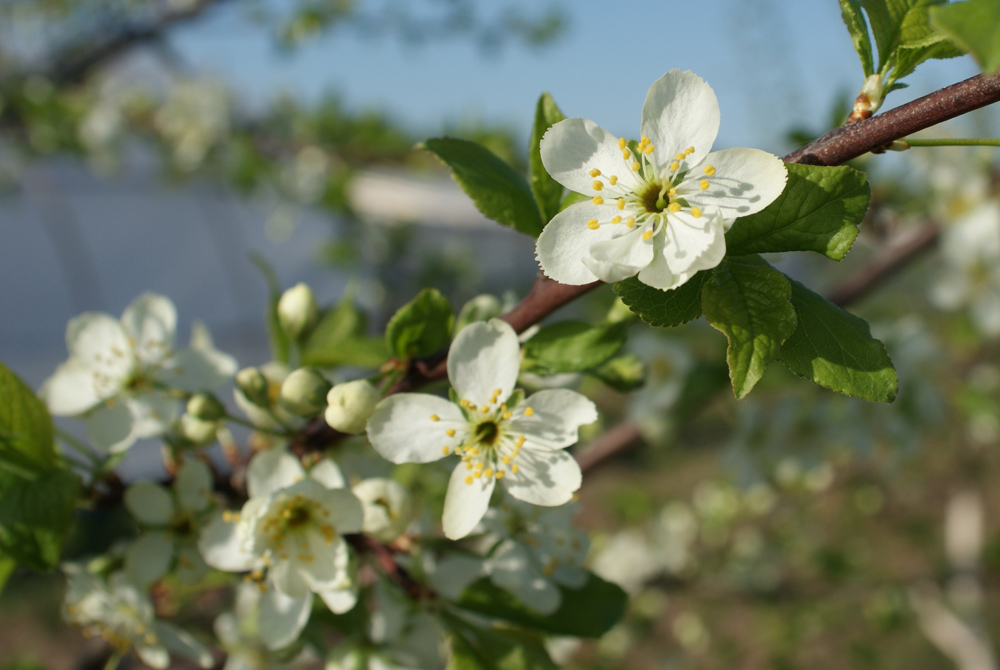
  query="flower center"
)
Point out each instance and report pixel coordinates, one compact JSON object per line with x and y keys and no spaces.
{"x":655,"y":196}
{"x":487,"y":433}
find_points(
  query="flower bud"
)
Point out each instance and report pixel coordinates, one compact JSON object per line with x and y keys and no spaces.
{"x":252,"y":383}
{"x":205,"y":406}
{"x":386,"y":506}
{"x":349,"y":406}
{"x":297,"y":311}
{"x":198,"y":431}
{"x":481,"y":308}
{"x":303,"y":392}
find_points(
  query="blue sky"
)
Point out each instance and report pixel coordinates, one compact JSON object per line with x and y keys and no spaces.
{"x":772,"y":63}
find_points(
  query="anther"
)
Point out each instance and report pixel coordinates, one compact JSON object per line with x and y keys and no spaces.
{"x":593,"y":224}
{"x":630,"y":222}
{"x":484,"y":409}
{"x":635,"y":166}
{"x":435,"y":417}
{"x":674,"y":207}
{"x":649,"y":149}
{"x":648,"y":234}
{"x":445,"y":451}
{"x":468,"y":480}
{"x":695,"y":212}
{"x":710,"y":170}
{"x":674,"y":166}
{"x":528,"y":411}
{"x":450,"y":432}
{"x":622,"y":143}
{"x":672,"y":193}
{"x":513,"y":469}
{"x":689,"y":151}
{"x":477,"y":474}
{"x":488,"y":473}
{"x":626,"y":154}
{"x":621,"y":203}
{"x":613,"y":179}
{"x":595,"y":173}
{"x":680,"y":156}
{"x":598,"y":200}
{"x":500,"y":474}
{"x":703,"y":184}
{"x":598,"y":185}
{"x":617,"y":219}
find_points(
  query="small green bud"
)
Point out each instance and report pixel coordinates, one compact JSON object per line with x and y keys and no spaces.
{"x":253,"y":385}
{"x":297,"y":311}
{"x":205,"y":406}
{"x":481,"y":308}
{"x":349,"y":406}
{"x":303,"y":392}
{"x":197,"y":431}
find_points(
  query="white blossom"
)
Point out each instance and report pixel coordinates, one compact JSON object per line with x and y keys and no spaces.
{"x":496,"y":435}
{"x":387,"y":507}
{"x":120,"y":613}
{"x":289,"y":535}
{"x":120,"y":372}
{"x":659,"y":209}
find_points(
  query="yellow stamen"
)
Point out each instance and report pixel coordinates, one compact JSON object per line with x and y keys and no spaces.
{"x":626,"y":154}
{"x":703,"y":184}
{"x":630,"y":222}
{"x":621,"y":143}
{"x":506,"y":460}
{"x":644,"y":140}
{"x":621,"y":203}
{"x":529,"y":411}
{"x":450,"y":432}
{"x":595,"y":173}
{"x":689,"y":151}
{"x":617,"y":219}
{"x":674,"y":166}
{"x":506,"y":415}
{"x":478,"y":474}
{"x":680,"y":156}
{"x":435,"y":417}
{"x":597,"y":185}
{"x":635,"y":166}
{"x":463,"y":403}
{"x":468,"y":465}
{"x":445,"y":451}
{"x":710,"y":170}
{"x":500,"y":474}
{"x":613,"y":179}
{"x":480,"y":466}
{"x":674,"y":207}
{"x":593,"y":224}
{"x":649,"y":149}
{"x":672,"y":193}
{"x":513,"y":468}
{"x":648,"y":234}
{"x":484,"y":409}
{"x":695,"y":212}
{"x":468,"y":480}
{"x":598,"y":200}
{"x":488,"y":472}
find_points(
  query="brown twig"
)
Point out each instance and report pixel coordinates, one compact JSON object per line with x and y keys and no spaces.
{"x":615,"y":441}
{"x":850,"y":141}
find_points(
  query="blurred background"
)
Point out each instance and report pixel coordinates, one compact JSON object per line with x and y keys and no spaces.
{"x":179,"y":146}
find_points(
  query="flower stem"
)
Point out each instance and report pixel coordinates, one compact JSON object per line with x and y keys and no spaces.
{"x":971,"y":142}
{"x":243,"y":422}
{"x":78,"y":447}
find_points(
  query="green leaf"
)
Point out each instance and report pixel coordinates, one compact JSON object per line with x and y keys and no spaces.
{"x":25,"y":425}
{"x":919,"y":42}
{"x":572,"y":346}
{"x":975,"y":25}
{"x":421,"y":327}
{"x":35,"y":516}
{"x":901,"y":23}
{"x":499,"y":192}
{"x":663,"y":308}
{"x":622,"y":373}
{"x":548,"y":192}
{"x":819,"y":210}
{"x":749,"y":301}
{"x":7,"y":565}
{"x":589,"y":611}
{"x":835,"y":349}
{"x":474,"y":648}
{"x":854,"y":19}
{"x":339,"y":339}
{"x":275,"y":333}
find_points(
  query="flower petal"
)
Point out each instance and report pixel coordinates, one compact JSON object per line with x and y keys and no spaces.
{"x":566,"y":241}
{"x":280,"y":619}
{"x":150,"y":503}
{"x":512,"y":570}
{"x":182,"y":643}
{"x":484,"y":361}
{"x":687,"y":239}
{"x":681,"y":111}
{"x":193,"y":485}
{"x":71,"y":390}
{"x":201,"y":366}
{"x":150,"y":321}
{"x":658,"y":274}
{"x":745,"y":181}
{"x":288,"y":578}
{"x":220,"y":544}
{"x":620,"y":258}
{"x":110,"y":427}
{"x":572,"y":148}
{"x":328,"y":474}
{"x":328,"y":572}
{"x":465,"y":504}
{"x":556,"y":419}
{"x":152,"y":413}
{"x":149,"y":557}
{"x":402,"y":431}
{"x":341,"y":600}
{"x":271,"y":471}
{"x":97,"y":341}
{"x":547,"y":478}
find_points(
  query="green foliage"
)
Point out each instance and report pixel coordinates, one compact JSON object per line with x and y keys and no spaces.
{"x":589,"y":611}
{"x":749,"y":301}
{"x":819,"y":210}
{"x":275,"y":333}
{"x":474,"y":648}
{"x":572,"y":346}
{"x":835,"y":349}
{"x":7,"y":565}
{"x":974,"y":26}
{"x":25,"y":426}
{"x":902,"y":35}
{"x":850,"y":11}
{"x":498,"y":191}
{"x":421,"y":327}
{"x":340,"y":338}
{"x":548,"y":192}
{"x":663,"y":308}
{"x":35,"y":516}
{"x":622,"y":373}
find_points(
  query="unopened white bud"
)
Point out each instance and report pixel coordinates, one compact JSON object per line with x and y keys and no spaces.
{"x":297,"y":311}
{"x":350,"y":404}
{"x":198,"y":431}
{"x":205,"y":406}
{"x":252,"y":383}
{"x":303,"y":392}
{"x":386,"y":505}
